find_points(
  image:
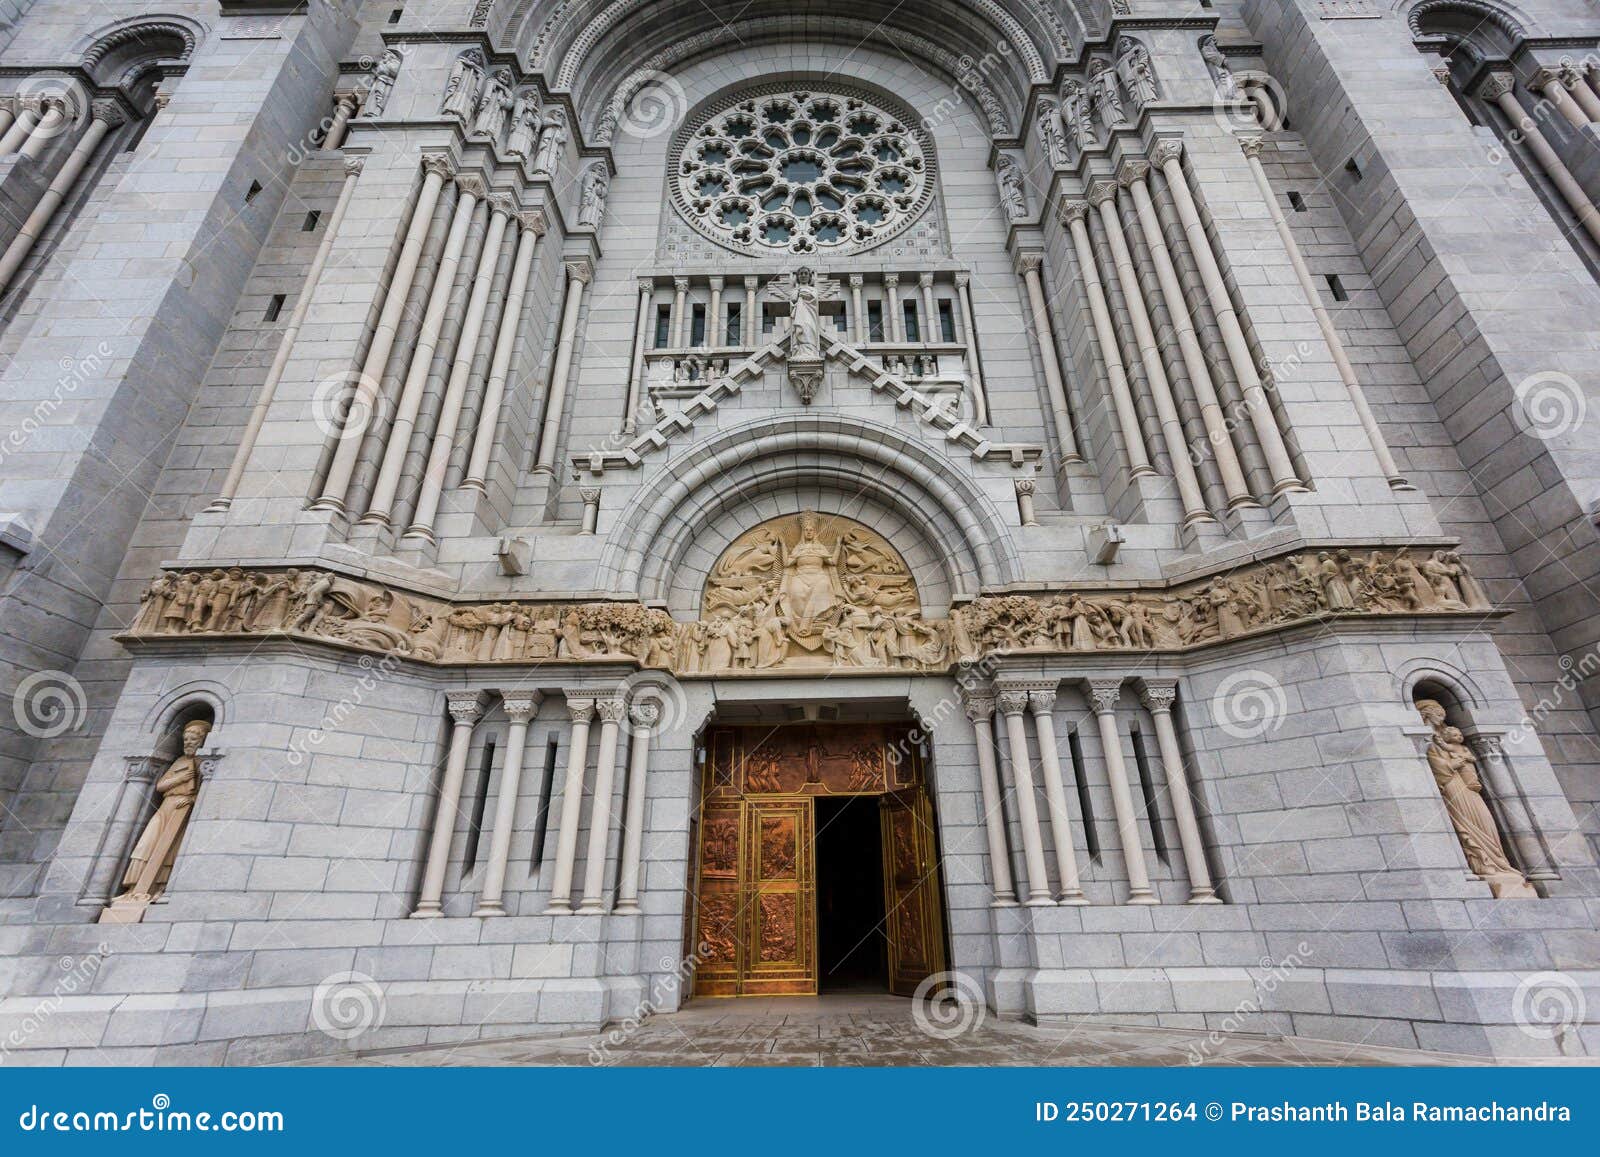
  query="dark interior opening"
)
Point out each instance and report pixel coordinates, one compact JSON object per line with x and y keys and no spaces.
{"x":852,"y":947}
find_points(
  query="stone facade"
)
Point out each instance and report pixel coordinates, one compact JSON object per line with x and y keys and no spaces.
{"x":1178,"y":417}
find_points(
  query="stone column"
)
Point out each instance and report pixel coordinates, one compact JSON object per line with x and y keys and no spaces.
{"x":409,"y":404}
{"x":1012,"y":705}
{"x":579,"y":274}
{"x":1262,"y":419}
{"x":27,"y":117}
{"x":280,"y":360}
{"x":680,"y":311}
{"x":1103,"y":694}
{"x":1330,"y":334}
{"x":930,"y":311}
{"x":505,"y":346}
{"x":591,"y":508}
{"x":47,"y":129}
{"x":641,"y":331}
{"x":344,"y":107}
{"x":1158,"y":696}
{"x":431,"y":489}
{"x":713,"y":318}
{"x":8,"y":116}
{"x":1104,"y":195}
{"x":1075,"y":215}
{"x":594,"y":863}
{"x":858,"y":308}
{"x":1521,"y":830}
{"x":1029,"y":264}
{"x":1498,"y":89}
{"x":1194,"y":359}
{"x":582,"y":711}
{"x":520,"y":707}
{"x":969,"y":334}
{"x":347,"y":453}
{"x":644,"y":714}
{"x":752,"y":310}
{"x":1548,"y":84}
{"x":896,"y":321}
{"x":465,"y":709}
{"x":107,"y":115}
{"x":980,"y":711}
{"x":1026,"y":488}
{"x":1043,"y":703}
{"x":1582,"y":93}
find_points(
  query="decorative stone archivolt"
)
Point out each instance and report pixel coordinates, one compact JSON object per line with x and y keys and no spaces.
{"x":807,"y":593}
{"x":779,"y":170}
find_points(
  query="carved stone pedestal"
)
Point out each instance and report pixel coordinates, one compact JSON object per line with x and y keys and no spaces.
{"x":805,"y":375}
{"x":125,"y":910}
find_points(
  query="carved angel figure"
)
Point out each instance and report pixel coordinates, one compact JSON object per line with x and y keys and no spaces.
{"x":805,"y":292}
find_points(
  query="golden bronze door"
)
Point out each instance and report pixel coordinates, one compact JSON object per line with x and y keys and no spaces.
{"x":911,"y":890}
{"x":755,"y":917}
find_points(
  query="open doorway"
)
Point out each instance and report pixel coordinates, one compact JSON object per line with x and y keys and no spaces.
{"x":852,"y":940}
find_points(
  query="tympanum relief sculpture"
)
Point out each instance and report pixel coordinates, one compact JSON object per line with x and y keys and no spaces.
{"x":150,"y":863}
{"x":1455,"y":770}
{"x":803,"y":591}
{"x":809,"y":592}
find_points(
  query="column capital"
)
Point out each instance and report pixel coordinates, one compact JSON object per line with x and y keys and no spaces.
{"x":610,"y":710}
{"x":1042,"y":702}
{"x":353,"y":166}
{"x":589,"y":494}
{"x":534,"y":221}
{"x":719,"y":283}
{"x":141,"y":768}
{"x":647,"y":284}
{"x":580,"y":269}
{"x":464,"y":706}
{"x":1490,"y":745}
{"x":1027,"y":487}
{"x":924,"y":279}
{"x":472,"y":185}
{"x":1103,"y":694}
{"x":979,"y":705}
{"x":348,"y":99}
{"x":1496,"y":84}
{"x":1569,"y":73}
{"x":579,"y":709}
{"x":1102,"y":191}
{"x":892,"y":280}
{"x":857,"y":281}
{"x":438,"y":165}
{"x":680,"y":284}
{"x":1165,"y":150}
{"x":1251,"y":146}
{"x":520,"y":706}
{"x":752,"y":282}
{"x":1028,"y":261}
{"x":109,"y":111}
{"x":1073,"y":212}
{"x":963,"y":279}
{"x":1158,"y":695}
{"x":1543,"y":78}
{"x":1132,"y":171}
{"x":1012,"y":702}
{"x":645,"y":712}
{"x":1441,"y":73}
{"x":502,"y":204}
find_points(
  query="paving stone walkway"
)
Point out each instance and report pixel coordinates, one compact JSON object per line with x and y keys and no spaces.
{"x":881,"y":1030}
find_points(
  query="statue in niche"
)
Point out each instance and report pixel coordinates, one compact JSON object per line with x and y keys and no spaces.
{"x":1052,"y":137}
{"x":461,"y":90}
{"x":1107,"y":93}
{"x":150,"y":864}
{"x":1013,"y":192}
{"x":1217,"y":65}
{"x":1455,"y":770}
{"x":1133,"y":65}
{"x":552,"y":144}
{"x":592,"y":197}
{"x":525,"y":124}
{"x":494,"y":106}
{"x":1077,"y":116}
{"x":384,"y":74}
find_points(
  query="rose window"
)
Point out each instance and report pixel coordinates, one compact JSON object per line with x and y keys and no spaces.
{"x":801,"y":171}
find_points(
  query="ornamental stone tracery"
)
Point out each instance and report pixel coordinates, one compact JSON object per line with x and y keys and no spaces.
{"x":778,"y":170}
